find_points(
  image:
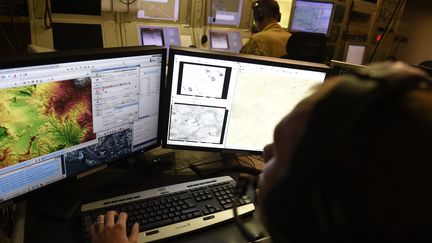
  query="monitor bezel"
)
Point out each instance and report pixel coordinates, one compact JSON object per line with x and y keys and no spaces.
{"x":228,"y":56}
{"x":317,"y":1}
{"x":88,"y":55}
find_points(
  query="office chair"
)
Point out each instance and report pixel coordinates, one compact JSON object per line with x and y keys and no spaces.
{"x":306,"y":46}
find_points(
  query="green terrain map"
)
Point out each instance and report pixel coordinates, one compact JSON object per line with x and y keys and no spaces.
{"x":39,"y":119}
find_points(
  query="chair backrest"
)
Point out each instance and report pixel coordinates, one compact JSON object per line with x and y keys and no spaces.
{"x":306,"y":46}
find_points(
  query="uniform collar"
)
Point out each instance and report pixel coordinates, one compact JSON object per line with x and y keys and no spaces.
{"x":272,"y":26}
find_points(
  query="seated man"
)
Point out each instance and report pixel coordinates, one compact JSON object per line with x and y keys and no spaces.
{"x":271,"y":39}
{"x":351,"y":163}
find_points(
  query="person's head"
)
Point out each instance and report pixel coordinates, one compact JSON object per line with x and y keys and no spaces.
{"x":265,"y":12}
{"x":351,"y":163}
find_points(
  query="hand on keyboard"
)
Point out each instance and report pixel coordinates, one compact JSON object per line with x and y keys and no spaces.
{"x":167,"y":211}
{"x":107,"y":229}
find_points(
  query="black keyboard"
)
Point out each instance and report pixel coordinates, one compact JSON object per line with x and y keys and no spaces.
{"x":168,"y":211}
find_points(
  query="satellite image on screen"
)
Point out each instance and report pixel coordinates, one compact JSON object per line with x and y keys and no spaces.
{"x":108,"y":148}
{"x":39,"y":119}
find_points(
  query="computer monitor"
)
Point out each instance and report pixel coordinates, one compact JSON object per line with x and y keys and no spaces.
{"x":65,"y":113}
{"x":159,"y":36}
{"x":158,"y":9}
{"x":225,"y":12}
{"x":152,"y":37}
{"x":69,"y":36}
{"x":311,"y":16}
{"x":355,"y":53}
{"x":225,"y":40}
{"x":220,"y":101}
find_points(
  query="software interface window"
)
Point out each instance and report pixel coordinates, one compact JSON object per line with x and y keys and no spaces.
{"x":224,"y":104}
{"x":311,"y":16}
{"x":62,"y":119}
{"x":225,"y":12}
{"x":158,"y":9}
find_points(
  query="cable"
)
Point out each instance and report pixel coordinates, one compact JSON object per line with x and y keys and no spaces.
{"x":204,"y":37}
{"x":248,"y":163}
{"x":15,"y":28}
{"x":346,"y":31}
{"x":128,"y":2}
{"x":47,"y":15}
{"x":7,"y":39}
{"x":396,"y":10}
{"x":242,"y":185}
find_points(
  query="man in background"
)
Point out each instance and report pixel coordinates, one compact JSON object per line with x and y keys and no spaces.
{"x":270,"y":39}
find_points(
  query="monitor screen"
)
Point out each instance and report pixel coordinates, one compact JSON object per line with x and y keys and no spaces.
{"x":64,"y":36}
{"x":355,"y":53}
{"x":225,"y":40}
{"x":219,"y":40}
{"x":64,"y":113}
{"x":225,"y":12}
{"x":159,"y":36}
{"x":152,"y":37}
{"x":158,"y":9}
{"x":222,"y":101}
{"x":311,"y":16}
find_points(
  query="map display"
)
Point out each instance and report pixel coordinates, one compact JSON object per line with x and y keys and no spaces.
{"x":42,"y":118}
{"x":257,"y":106}
{"x":202,"y":80}
{"x":108,"y":148}
{"x":196,"y":123}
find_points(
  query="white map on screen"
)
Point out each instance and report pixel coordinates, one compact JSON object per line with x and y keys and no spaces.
{"x":196,"y":123}
{"x":202,"y":80}
{"x":257,"y":108}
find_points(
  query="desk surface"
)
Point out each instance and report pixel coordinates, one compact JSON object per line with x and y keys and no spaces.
{"x":53,"y":214}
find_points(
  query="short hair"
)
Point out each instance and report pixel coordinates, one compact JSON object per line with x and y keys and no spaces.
{"x":269,"y":8}
{"x":373,"y":182}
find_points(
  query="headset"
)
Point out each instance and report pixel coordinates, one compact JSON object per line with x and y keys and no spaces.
{"x":262,"y":8}
{"x":317,"y":201}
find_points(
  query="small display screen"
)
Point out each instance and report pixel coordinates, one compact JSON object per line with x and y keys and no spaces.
{"x":312,"y":16}
{"x":152,"y":37}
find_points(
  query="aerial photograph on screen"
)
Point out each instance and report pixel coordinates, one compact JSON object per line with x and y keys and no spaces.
{"x":196,"y":123}
{"x":107,"y":149}
{"x":203,"y":80}
{"x":42,"y":118}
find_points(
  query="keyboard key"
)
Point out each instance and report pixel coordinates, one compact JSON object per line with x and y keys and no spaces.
{"x":154,"y":225}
